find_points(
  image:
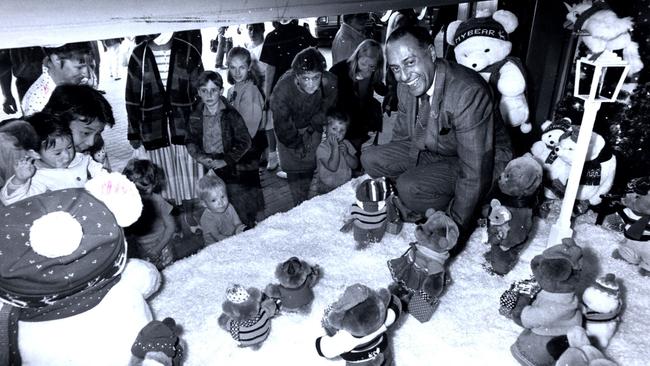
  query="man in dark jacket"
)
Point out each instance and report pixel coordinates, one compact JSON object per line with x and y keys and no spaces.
{"x":448,"y":145}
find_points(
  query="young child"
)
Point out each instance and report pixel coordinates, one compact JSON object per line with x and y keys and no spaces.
{"x":336,"y":156}
{"x":246,"y":98}
{"x":151,"y":236}
{"x":98,"y":152}
{"x":219,"y":220}
{"x":55,"y":166}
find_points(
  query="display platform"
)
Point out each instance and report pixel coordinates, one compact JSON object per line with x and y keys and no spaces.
{"x":466,"y":329}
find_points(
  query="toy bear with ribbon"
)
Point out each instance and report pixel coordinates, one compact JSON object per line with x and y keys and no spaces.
{"x":420,"y":274}
{"x":601,"y":307}
{"x":518,"y":194}
{"x":368,"y":216}
{"x":356,"y":326}
{"x":555,"y":309}
{"x":63,"y":268}
{"x":297,"y":278}
{"x":634,"y":248}
{"x":482,"y":44}
{"x":247,"y":315}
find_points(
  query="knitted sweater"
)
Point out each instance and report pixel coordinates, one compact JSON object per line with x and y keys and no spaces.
{"x":158,"y":114}
{"x":552,"y":314}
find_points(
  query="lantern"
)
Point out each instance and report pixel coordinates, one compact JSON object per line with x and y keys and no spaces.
{"x":599,"y":79}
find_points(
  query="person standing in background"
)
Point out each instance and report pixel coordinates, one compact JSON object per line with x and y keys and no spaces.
{"x":224,"y":44}
{"x":26,"y":65}
{"x":349,"y":36}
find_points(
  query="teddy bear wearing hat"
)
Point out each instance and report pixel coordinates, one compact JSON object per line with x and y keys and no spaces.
{"x":368,"y":216}
{"x":356,"y":326}
{"x":601,"y":307}
{"x":547,"y":319}
{"x":247,"y":315}
{"x":482,"y":44}
{"x":635,"y":214}
{"x":158,"y":344}
{"x":68,"y":293}
{"x":552,"y":133}
{"x":421,"y":273}
{"x":297,"y":278}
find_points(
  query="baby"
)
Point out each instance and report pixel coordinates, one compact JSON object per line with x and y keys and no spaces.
{"x":219,"y":220}
{"x":55,"y":166}
{"x":336,"y":157}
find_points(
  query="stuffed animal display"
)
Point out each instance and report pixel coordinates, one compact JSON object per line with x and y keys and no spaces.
{"x":367,"y":217}
{"x":555,"y":309}
{"x":297,"y":278}
{"x":63,"y":267}
{"x":581,"y":352}
{"x":247,"y":315}
{"x":158,"y":344}
{"x":420,"y":273}
{"x":635,"y":213}
{"x":356,"y":326}
{"x":602,"y":30}
{"x":482,"y":44}
{"x":511,"y":217}
{"x":597,"y":174}
{"x":601,"y":307}
{"x":552,"y":133}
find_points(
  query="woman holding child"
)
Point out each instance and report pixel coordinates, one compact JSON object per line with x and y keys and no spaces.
{"x":299,"y":102}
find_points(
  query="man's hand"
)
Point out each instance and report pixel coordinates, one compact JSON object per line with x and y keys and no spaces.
{"x":24,"y":170}
{"x":217,"y":164}
{"x":9,"y":106}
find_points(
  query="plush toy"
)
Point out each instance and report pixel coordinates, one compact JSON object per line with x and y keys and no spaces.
{"x":158,"y":344}
{"x":635,"y":214}
{"x":552,"y":133}
{"x":482,"y":44}
{"x":518,"y":193}
{"x":602,"y":30}
{"x":247,"y":315}
{"x":17,"y":138}
{"x":547,"y":319}
{"x":598,"y":171}
{"x":356,"y":326}
{"x":601,"y":306}
{"x":581,"y":352}
{"x":367,"y":217}
{"x":420,"y":273}
{"x":297,"y":278}
{"x":65,"y":282}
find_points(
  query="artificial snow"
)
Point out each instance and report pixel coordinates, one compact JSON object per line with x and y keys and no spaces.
{"x":466,"y":328}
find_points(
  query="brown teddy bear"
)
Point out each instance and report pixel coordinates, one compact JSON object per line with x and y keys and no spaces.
{"x":420,"y":273}
{"x":518,"y":192}
{"x":158,"y":344}
{"x":356,"y":326}
{"x":555,"y":309}
{"x":297,"y":278}
{"x":247,"y":315}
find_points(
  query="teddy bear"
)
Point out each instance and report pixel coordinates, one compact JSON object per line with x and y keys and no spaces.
{"x":247,"y":315}
{"x":482,"y":44}
{"x":581,"y":352}
{"x":602,"y":30}
{"x":297,"y":278}
{"x":518,"y":193}
{"x":356,"y":326}
{"x":64,"y":271}
{"x":547,"y":319}
{"x":420,"y":274}
{"x":597,"y":174}
{"x":601,"y":307}
{"x":368,"y":216}
{"x":158,"y":343}
{"x":635,"y":214}
{"x":552,"y":133}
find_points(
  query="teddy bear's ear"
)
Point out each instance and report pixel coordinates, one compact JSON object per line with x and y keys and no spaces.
{"x":507,"y":19}
{"x":495,"y":203}
{"x":451,"y":31}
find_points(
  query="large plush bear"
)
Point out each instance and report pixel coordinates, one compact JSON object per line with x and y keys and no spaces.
{"x":482,"y":44}
{"x":635,"y":214}
{"x":65,"y":281}
{"x":555,"y":309}
{"x":356,"y":326}
{"x":518,"y":192}
{"x":599,"y":168}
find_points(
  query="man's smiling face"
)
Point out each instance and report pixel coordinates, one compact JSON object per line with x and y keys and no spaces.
{"x":411,"y":63}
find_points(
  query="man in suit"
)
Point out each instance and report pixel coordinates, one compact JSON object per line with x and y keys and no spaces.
{"x":449,"y":144}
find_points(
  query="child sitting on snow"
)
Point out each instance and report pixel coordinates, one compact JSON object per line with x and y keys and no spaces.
{"x":151,"y":236}
{"x":336,"y":156}
{"x":55,"y":166}
{"x":219,"y":220}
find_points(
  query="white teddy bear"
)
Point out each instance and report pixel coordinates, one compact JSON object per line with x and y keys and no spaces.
{"x":65,"y":275}
{"x":482,"y":44}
